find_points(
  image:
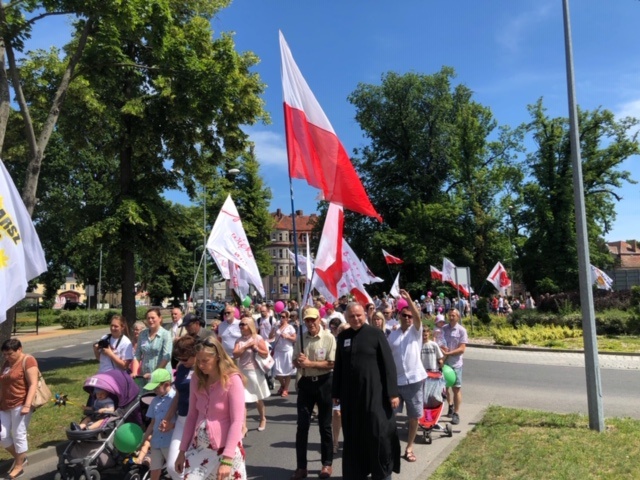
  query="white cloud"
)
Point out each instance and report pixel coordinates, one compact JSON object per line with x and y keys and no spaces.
{"x":517,"y":29}
{"x":629,"y":109}
{"x":270,"y":148}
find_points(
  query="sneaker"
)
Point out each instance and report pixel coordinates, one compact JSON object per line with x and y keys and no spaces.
{"x":450,"y":412}
{"x":455,"y":419}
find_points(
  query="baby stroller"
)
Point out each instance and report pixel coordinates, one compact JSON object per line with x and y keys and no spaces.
{"x":435,"y":393}
{"x":90,"y":452}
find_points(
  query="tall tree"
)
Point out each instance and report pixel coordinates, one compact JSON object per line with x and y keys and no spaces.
{"x":432,"y":171}
{"x":549,"y":258}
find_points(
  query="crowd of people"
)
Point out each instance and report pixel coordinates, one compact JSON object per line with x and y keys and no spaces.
{"x":355,"y":368}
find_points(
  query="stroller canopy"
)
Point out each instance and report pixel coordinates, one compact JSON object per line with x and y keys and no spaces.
{"x":118,"y":383}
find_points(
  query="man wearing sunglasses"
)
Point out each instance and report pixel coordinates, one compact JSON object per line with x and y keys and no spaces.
{"x":406,"y":346}
{"x":229,"y":329}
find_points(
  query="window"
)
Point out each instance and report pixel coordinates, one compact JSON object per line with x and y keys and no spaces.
{"x":280,"y":237}
{"x":281,"y":253}
{"x":72,"y":286}
{"x":280,"y":271}
{"x":273,"y":252}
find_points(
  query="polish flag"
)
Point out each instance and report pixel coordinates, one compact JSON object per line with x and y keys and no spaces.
{"x":329,"y":257}
{"x":435,"y":273}
{"x":314,"y":150}
{"x":390,"y":259}
{"x":498,"y":277}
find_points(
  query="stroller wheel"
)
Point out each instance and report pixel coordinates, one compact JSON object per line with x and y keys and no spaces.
{"x":133,"y":475}
{"x":58,"y":476}
{"x":428,"y":439}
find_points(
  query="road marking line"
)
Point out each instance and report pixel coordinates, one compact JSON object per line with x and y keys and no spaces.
{"x":50,"y":350}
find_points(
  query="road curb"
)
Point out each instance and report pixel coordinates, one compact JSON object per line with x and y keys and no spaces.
{"x":36,"y":456}
{"x":547,"y":350}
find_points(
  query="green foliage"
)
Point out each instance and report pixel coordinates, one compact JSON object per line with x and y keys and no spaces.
{"x":483,"y":311}
{"x":616,"y":322}
{"x":433,"y":174}
{"x":546,"y":205}
{"x":530,"y":335}
{"x":83,"y":318}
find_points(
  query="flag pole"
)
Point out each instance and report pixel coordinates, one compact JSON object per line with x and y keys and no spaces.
{"x":295,"y":251}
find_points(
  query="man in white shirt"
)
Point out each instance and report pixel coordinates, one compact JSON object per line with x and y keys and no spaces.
{"x":229,"y":329}
{"x":176,"y":329}
{"x":406,"y":346}
{"x":265,"y":323}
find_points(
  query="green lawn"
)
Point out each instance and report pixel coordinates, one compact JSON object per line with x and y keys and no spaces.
{"x":526,"y":444}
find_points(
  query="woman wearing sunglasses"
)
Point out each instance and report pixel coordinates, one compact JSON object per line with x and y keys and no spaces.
{"x":256,"y":387}
{"x":284,"y":340}
{"x":211,"y":445}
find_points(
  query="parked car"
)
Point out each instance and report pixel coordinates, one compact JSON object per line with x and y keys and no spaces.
{"x":214,"y":309}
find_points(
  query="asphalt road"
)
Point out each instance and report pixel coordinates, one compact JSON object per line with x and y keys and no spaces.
{"x":271,"y":453}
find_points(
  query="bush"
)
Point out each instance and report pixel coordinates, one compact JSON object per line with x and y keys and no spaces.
{"x":483,"y":311}
{"x":614,"y":322}
{"x":537,"y":334}
{"x":602,"y":301}
{"x":81,"y":318}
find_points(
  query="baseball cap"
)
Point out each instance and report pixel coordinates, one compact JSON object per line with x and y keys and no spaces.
{"x":311,"y":312}
{"x":440,"y":318}
{"x":190,"y":318}
{"x":158,"y":376}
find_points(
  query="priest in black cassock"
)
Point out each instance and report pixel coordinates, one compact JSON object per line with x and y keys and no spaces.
{"x":365,"y":387}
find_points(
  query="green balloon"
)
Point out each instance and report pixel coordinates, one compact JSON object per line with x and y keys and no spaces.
{"x":128,"y":437}
{"x":449,"y":375}
{"x":246,"y":302}
{"x":441,"y":295}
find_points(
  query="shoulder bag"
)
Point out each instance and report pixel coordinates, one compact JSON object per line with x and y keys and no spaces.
{"x":43,"y":394}
{"x":265,"y":364}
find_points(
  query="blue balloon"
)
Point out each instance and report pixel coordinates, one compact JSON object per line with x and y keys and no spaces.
{"x":422,"y":297}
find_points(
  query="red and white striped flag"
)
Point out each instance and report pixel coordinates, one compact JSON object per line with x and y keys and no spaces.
{"x":435,"y":273}
{"x":314,"y":150}
{"x":390,"y":259}
{"x":329,"y":257}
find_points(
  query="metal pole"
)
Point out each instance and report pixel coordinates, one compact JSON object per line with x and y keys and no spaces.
{"x":204,"y":253}
{"x":592,"y":366}
{"x":99,"y":277}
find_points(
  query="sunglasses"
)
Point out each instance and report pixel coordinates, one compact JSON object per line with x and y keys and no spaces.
{"x":183,"y":359}
{"x":228,"y":313}
{"x":283,"y":316}
{"x":242,"y":324}
{"x":407,"y":315}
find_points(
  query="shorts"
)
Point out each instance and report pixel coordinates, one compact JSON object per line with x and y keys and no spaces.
{"x":411,"y":395}
{"x":158,"y":457}
{"x":458,"y":382}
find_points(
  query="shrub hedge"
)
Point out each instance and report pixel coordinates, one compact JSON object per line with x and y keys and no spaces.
{"x":537,"y":334}
{"x":81,"y":318}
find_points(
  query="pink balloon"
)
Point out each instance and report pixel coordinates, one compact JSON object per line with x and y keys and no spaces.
{"x":429,"y":294}
{"x":279,"y":306}
{"x":402,"y":303}
{"x":236,"y":312}
{"x":323,"y":312}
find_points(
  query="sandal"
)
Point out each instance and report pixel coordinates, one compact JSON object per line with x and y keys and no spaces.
{"x":285,"y":393}
{"x":409,"y":456}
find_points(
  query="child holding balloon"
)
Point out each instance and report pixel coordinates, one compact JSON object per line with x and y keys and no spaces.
{"x":160,"y":383}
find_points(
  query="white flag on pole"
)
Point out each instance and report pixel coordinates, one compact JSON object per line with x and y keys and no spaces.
{"x":448,"y":271}
{"x":230,"y":242}
{"x":395,"y":288}
{"x":21,"y":255}
{"x":499,"y":278}
{"x":601,"y":279}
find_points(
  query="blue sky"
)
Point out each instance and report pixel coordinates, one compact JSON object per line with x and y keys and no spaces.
{"x":508,"y":52}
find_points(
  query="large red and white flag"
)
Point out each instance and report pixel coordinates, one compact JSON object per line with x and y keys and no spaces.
{"x":314,"y":150}
{"x":499,"y":278}
{"x":390,"y":259}
{"x":21,"y":255}
{"x":229,"y":242}
{"x":329,"y":257}
{"x":435,"y":273}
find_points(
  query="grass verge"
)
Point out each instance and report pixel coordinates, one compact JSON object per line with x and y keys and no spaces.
{"x":49,"y":423}
{"x":526,"y":444}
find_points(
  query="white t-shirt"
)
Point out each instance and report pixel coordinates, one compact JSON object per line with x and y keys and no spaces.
{"x":406,"y":347}
{"x":430,"y":354}
{"x":123,"y":349}
{"x":265,"y":327}
{"x":229,"y":333}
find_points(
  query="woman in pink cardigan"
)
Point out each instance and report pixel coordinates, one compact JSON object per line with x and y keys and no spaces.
{"x":211,"y":444}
